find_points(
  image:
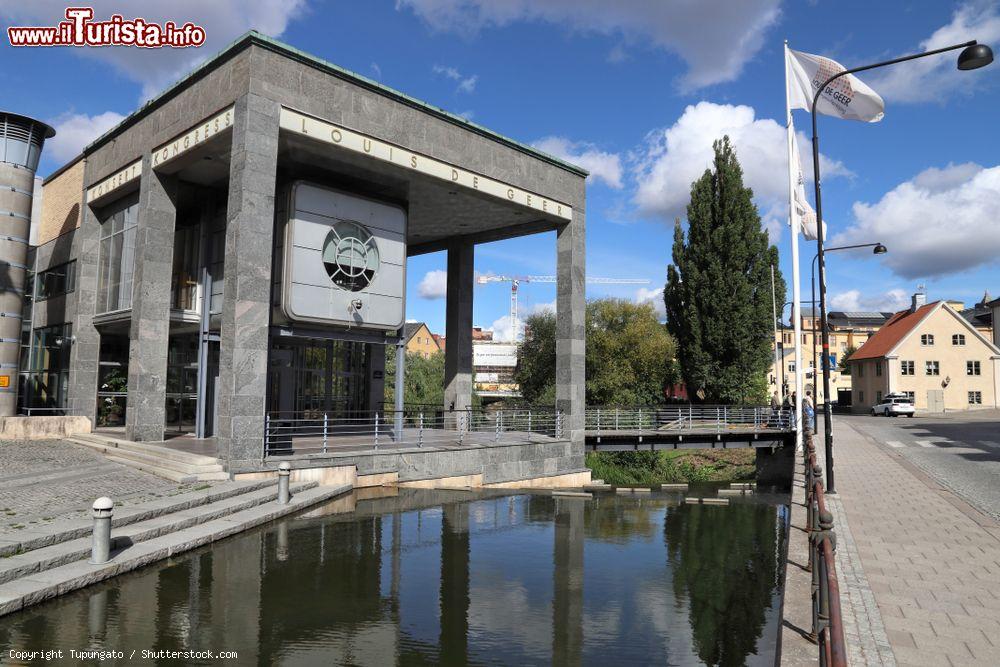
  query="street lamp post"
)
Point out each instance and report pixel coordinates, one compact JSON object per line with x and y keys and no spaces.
{"x":812,"y":304}
{"x":973,"y":56}
{"x":877,"y":249}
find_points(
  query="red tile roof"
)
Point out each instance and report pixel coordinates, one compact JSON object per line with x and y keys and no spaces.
{"x":893,"y":331}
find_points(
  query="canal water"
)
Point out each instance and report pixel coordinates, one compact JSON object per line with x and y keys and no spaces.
{"x":416,"y":577}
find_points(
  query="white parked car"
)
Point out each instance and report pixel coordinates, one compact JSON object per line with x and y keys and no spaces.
{"x":893,"y":406}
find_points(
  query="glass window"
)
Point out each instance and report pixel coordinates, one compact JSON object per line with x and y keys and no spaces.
{"x":861,"y":369}
{"x":878,"y":368}
{"x":55,"y":281}
{"x":184,"y":288}
{"x":927,"y":339}
{"x":878,"y":396}
{"x":906,"y":368}
{"x":932,"y":368}
{"x":973,"y":368}
{"x":48,"y":368}
{"x":861,"y":397}
{"x":117,"y":261}
{"x":975,"y":397}
{"x":958,"y":339}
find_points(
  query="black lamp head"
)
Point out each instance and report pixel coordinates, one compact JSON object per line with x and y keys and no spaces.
{"x":974,"y":57}
{"x":880,"y":249}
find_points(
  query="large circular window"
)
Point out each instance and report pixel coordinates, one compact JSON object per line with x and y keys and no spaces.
{"x":350,"y":256}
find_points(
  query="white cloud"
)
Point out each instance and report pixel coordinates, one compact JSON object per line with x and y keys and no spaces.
{"x":155,"y":69}
{"x":603,"y":166}
{"x":942,"y":221}
{"x":502,"y":329}
{"x":434,"y":285}
{"x":715,"y":37}
{"x":853,"y":300}
{"x":654,"y":297}
{"x":466,"y":84}
{"x":75,"y":130}
{"x":935,"y":78}
{"x":673,"y":158}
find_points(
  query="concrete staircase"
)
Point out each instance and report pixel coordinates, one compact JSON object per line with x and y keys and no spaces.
{"x":172,"y":464}
{"x":36,"y":565}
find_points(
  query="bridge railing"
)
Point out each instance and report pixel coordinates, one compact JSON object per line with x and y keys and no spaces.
{"x":827,"y":618}
{"x":707,"y":418}
{"x":318,"y":431}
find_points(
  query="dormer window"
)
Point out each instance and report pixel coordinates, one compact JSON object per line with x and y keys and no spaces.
{"x":958,"y":339}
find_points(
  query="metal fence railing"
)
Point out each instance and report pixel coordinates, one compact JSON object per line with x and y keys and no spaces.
{"x":417,"y":426}
{"x":707,"y":418}
{"x":827,"y":618}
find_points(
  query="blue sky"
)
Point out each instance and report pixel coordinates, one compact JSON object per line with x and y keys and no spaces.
{"x":636,"y":91}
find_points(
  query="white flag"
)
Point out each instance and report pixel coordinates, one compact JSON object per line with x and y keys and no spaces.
{"x":847,"y":97}
{"x":803,"y":214}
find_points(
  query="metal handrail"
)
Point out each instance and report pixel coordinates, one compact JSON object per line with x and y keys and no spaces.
{"x":827,"y":616}
{"x":711,"y":418}
{"x":316,"y":431}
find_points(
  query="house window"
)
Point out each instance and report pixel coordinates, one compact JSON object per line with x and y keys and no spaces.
{"x":910,"y":396}
{"x":117,"y":258}
{"x":878,"y":368}
{"x":958,"y":339}
{"x":878,"y":397}
{"x":926,"y":339}
{"x":791,"y":367}
{"x":975,"y":398}
{"x":861,"y":396}
{"x":972,"y":368}
{"x":906,"y":368}
{"x":55,"y":281}
{"x":932,"y":368}
{"x":861,"y":369}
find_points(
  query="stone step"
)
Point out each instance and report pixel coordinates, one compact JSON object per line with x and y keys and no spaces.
{"x":98,"y":441}
{"x":70,"y":529}
{"x":43,"y":585}
{"x":56,"y":555}
{"x":166,"y":464}
{"x":168,"y":473}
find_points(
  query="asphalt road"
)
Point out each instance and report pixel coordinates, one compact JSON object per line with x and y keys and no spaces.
{"x":959,"y":450}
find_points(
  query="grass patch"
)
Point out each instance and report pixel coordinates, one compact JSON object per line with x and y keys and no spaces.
{"x":672,"y":466}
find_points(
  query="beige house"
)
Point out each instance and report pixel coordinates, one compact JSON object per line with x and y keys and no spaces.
{"x":931,"y":353}
{"x":420,"y":340}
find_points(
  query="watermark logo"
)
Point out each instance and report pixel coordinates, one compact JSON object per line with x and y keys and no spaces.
{"x":79,"y":29}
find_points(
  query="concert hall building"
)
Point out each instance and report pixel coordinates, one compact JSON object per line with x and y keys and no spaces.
{"x":231,"y":258}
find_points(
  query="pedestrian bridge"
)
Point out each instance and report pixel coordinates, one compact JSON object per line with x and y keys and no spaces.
{"x":616,"y":428}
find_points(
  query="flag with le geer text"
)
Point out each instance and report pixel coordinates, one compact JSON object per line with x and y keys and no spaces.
{"x":846,"y":97}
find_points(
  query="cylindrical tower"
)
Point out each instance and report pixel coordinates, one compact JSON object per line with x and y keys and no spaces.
{"x":21,"y":141}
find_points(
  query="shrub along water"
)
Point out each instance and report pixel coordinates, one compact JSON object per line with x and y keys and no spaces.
{"x":672,"y":466}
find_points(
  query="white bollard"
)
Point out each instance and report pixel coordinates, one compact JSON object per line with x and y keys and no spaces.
{"x":284,"y":471}
{"x":100,"y":552}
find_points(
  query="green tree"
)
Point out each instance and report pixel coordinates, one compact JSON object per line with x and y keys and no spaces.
{"x":629,"y":355}
{"x":844,"y":366}
{"x":423,"y":380}
{"x":718,"y":291}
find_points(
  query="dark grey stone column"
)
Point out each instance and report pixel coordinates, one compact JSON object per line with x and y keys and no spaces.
{"x":458,"y":327}
{"x":150,"y":328}
{"x":571,"y":331}
{"x":454,"y":597}
{"x":246,"y":307}
{"x":86,"y":350}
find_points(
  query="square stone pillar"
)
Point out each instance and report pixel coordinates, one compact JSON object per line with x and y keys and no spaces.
{"x":150,"y":327}
{"x":246,"y":306}
{"x":571,"y":330}
{"x":458,"y":327}
{"x":86,"y":349}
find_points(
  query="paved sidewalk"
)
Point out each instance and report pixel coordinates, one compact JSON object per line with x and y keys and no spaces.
{"x":931,"y":561}
{"x":47,"y":479}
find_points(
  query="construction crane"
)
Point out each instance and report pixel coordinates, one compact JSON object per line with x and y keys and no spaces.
{"x":515,"y":281}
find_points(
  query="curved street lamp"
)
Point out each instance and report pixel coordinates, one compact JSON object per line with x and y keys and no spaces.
{"x":877,"y":249}
{"x":974,"y":55}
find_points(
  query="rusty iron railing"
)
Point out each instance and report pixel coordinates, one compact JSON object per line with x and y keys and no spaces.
{"x":827,"y":619}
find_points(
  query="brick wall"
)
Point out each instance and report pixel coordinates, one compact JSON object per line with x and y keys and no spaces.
{"x":62,"y":199}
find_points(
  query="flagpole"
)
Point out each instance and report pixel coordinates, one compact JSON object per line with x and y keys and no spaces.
{"x":796,"y":297}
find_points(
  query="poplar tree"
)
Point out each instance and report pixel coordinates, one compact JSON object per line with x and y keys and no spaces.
{"x":718,"y":291}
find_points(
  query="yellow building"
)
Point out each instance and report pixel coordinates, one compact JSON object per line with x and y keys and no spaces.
{"x":847,"y":329}
{"x":420,"y":340}
{"x":931,"y":353}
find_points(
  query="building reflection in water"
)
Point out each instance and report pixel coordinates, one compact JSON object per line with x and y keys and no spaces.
{"x":453,"y":578}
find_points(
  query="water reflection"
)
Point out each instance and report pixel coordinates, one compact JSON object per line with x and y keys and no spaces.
{"x":453,"y":578}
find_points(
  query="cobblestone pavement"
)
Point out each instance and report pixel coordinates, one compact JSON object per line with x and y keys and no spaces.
{"x":931,"y":561}
{"x":47,"y":479}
